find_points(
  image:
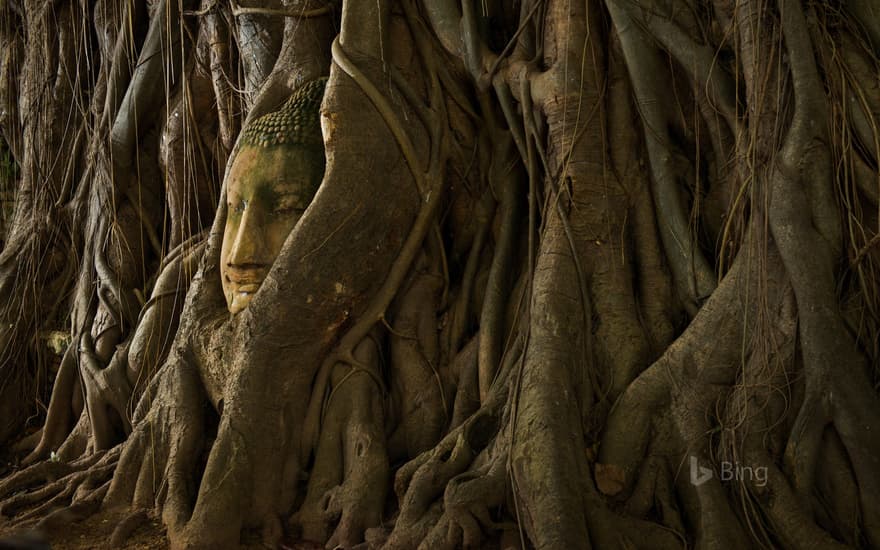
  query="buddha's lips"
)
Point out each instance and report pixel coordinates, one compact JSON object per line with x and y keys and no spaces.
{"x":245,"y":277}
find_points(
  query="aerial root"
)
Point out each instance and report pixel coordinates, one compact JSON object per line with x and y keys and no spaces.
{"x":792,"y":520}
{"x":802,"y":451}
{"x":852,"y":414}
{"x":654,"y":490}
{"x":838,"y":491}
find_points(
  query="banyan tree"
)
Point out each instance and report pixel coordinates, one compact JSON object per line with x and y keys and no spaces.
{"x":440,"y":273}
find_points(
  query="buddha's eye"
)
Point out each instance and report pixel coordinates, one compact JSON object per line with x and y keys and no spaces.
{"x":288,"y":205}
{"x":287,"y":210}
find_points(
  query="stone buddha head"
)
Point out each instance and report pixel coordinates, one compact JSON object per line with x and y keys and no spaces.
{"x":277,"y":168}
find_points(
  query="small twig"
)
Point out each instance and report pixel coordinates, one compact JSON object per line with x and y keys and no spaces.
{"x":865,"y":250}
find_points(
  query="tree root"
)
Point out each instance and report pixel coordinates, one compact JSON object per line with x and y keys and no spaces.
{"x":112,"y":384}
{"x":350,"y":476}
{"x":60,"y":414}
{"x":43,"y":472}
{"x":127,"y":526}
{"x":418,"y":382}
{"x":839,"y":492}
{"x":679,"y":390}
{"x":419,"y":482}
{"x":611,"y":529}
{"x":694,"y":277}
{"x":106,"y":389}
{"x":791,"y":520}
{"x":41,"y":490}
{"x":694,"y":359}
{"x":468,"y":501}
{"x":461,"y":458}
{"x":157,"y":463}
{"x":806,"y":226}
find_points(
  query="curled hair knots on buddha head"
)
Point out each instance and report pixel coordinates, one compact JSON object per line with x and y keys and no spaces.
{"x":296,"y":122}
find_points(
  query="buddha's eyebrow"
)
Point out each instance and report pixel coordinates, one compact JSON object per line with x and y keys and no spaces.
{"x":289,"y":198}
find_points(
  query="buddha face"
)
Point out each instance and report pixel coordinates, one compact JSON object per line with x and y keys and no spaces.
{"x":267,"y":191}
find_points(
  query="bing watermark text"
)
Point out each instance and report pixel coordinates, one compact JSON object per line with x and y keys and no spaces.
{"x":728,"y":471}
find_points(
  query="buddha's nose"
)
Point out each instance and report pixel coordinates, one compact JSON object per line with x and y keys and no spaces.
{"x":249,"y":246}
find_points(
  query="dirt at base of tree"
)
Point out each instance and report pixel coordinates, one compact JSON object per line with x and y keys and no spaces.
{"x":96,"y":531}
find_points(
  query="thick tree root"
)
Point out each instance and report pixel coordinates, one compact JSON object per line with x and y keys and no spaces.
{"x":61,"y":411}
{"x":422,"y":480}
{"x":419,"y":386}
{"x":806,"y":225}
{"x":350,"y":476}
{"x":675,"y":396}
{"x":127,"y":526}
{"x":57,"y":489}
{"x":113,"y":381}
{"x":156,"y":465}
{"x":469,"y":500}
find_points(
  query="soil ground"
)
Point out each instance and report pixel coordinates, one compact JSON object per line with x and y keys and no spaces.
{"x":95,"y":532}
